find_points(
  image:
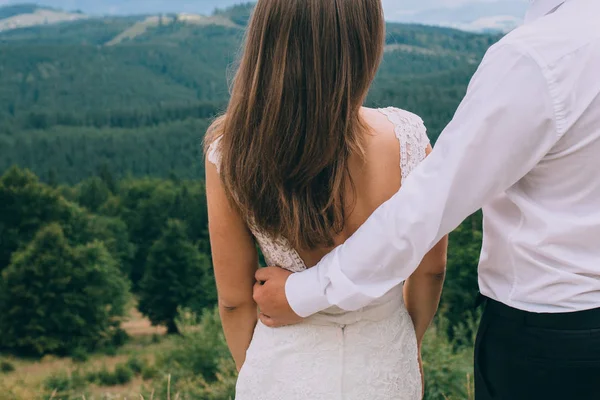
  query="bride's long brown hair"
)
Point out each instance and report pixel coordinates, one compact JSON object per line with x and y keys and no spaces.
{"x":293,"y":118}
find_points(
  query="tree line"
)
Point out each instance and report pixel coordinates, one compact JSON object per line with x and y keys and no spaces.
{"x":71,"y":256}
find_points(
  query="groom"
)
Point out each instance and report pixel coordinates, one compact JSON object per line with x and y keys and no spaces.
{"x":524,"y":145}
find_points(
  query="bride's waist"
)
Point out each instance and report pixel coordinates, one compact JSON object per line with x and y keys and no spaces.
{"x":378,"y":310}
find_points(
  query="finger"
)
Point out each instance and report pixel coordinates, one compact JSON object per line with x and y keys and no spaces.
{"x":267,"y":321}
{"x":263,"y":274}
{"x":256,"y":292}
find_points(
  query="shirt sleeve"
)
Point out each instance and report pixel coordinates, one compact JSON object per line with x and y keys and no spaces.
{"x":504,"y":126}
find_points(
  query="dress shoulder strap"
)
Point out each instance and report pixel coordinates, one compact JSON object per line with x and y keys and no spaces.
{"x":214,"y":153}
{"x":412,"y":135}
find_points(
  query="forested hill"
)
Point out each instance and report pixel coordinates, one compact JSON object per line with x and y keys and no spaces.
{"x":135,"y":93}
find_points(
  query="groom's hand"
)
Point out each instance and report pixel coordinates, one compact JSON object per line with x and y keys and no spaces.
{"x":269,"y":294}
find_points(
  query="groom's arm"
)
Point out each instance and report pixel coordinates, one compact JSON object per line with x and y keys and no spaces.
{"x":508,"y":121}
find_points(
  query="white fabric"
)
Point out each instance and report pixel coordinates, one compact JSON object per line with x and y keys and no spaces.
{"x":525,"y":145}
{"x":540,"y":8}
{"x":370,"y":353}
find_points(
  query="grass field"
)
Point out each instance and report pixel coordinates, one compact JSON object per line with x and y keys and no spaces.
{"x":30,"y":379}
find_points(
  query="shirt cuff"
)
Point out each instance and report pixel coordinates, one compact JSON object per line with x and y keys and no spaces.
{"x":304,"y":293}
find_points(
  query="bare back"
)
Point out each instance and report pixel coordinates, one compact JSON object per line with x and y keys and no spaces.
{"x":394,"y":145}
{"x":378,"y":176}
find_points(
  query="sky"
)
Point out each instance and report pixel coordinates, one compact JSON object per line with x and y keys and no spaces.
{"x":393,"y":8}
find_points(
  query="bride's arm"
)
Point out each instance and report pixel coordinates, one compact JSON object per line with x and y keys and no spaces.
{"x":422,"y":291}
{"x":235,"y":261}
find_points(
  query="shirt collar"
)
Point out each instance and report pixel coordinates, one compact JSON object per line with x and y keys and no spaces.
{"x":540,"y":8}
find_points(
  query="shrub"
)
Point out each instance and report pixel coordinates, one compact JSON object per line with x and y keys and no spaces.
{"x":79,"y":355}
{"x":60,"y":381}
{"x":201,"y":345}
{"x":62,"y":384}
{"x":6,"y":367}
{"x":136,"y":364}
{"x":448,"y":373}
{"x":199,"y":364}
{"x":104,"y":377}
{"x":123,"y":374}
{"x":461,"y":288}
{"x":149,"y":372}
{"x":177,"y":274}
{"x":110,"y":351}
{"x":156,"y":338}
{"x":119,"y":337}
{"x":75,"y":295}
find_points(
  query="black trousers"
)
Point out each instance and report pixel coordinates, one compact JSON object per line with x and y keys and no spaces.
{"x":527,"y":356}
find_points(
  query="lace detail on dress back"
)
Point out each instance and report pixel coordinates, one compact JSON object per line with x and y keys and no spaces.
{"x":413,"y":139}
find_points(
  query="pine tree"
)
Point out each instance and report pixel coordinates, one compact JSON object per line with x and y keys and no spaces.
{"x":177,"y":275}
{"x":93,"y":193}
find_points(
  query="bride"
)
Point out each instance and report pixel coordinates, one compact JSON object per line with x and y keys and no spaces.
{"x":297,"y":165}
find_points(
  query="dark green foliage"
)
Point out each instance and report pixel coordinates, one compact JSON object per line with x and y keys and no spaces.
{"x":119,"y":337}
{"x":69,"y":105}
{"x":27,"y":205}
{"x":113,"y":232}
{"x":93,"y":193}
{"x":123,"y":374}
{"x":149,"y":372}
{"x":461,"y":288}
{"x":109,"y":350}
{"x":104,"y":377}
{"x":448,"y":373}
{"x":61,"y":385}
{"x":156,"y":338}
{"x":57,"y":297}
{"x":76,"y":153}
{"x":146,"y":206}
{"x":201,"y":345}
{"x":136,"y":364}
{"x":79,"y":355}
{"x":199,"y":365}
{"x":176,"y":275}
{"x":6,"y":367}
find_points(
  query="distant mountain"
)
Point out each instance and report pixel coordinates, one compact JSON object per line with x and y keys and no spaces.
{"x":31,"y":15}
{"x":499,"y":16}
{"x":28,"y":15}
{"x":127,"y":7}
{"x":477,"y":15}
{"x":17,"y":9}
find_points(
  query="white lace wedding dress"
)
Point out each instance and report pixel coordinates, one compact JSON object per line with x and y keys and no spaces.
{"x":370,"y":354}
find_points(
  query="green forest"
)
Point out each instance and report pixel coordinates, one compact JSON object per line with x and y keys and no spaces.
{"x":106,"y":285}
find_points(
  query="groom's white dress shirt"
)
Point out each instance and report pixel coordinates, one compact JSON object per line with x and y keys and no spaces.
{"x":525,"y":145}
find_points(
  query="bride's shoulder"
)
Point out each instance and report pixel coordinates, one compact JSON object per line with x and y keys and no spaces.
{"x":400,"y":116}
{"x":406,"y":120}
{"x":212,"y":141}
{"x":213,"y":151}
